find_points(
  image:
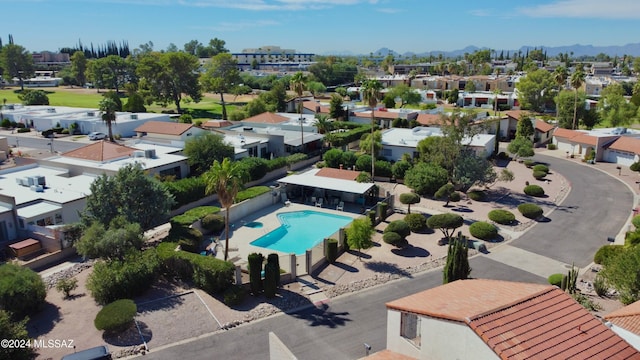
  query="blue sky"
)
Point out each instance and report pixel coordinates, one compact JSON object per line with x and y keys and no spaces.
{"x":322,"y":26}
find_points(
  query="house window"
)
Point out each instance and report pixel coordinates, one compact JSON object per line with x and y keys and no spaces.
{"x":410,"y":328}
{"x":386,"y":152}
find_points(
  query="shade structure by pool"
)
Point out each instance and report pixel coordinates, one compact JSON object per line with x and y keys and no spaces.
{"x":301,"y":230}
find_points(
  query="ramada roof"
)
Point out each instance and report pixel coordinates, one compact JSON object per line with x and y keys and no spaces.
{"x":520,"y":320}
{"x":627,"y":144}
{"x":267,"y":118}
{"x":627,"y":317}
{"x":163,"y":127}
{"x":101,"y":151}
{"x":338,"y":173}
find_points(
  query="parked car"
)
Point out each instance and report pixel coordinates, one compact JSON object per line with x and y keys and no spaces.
{"x":97,"y":136}
{"x":96,"y":353}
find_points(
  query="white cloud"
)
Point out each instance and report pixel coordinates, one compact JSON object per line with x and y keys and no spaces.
{"x":259,"y":5}
{"x":597,"y":9}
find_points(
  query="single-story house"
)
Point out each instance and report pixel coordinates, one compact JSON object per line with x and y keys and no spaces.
{"x":626,"y":323}
{"x":216,"y":124}
{"x":583,"y":142}
{"x":314,"y":108}
{"x":383,"y":117}
{"x":493,"y":319}
{"x":625,"y":151}
{"x":543,"y":132}
{"x":170,"y":132}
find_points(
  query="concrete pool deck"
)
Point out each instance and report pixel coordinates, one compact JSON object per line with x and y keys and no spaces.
{"x":241,"y":236}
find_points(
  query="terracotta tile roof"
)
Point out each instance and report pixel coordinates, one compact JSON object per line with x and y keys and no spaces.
{"x":542,"y":126}
{"x":627,"y":317}
{"x":515,"y":114}
{"x":217,"y":124}
{"x":520,"y":320}
{"x":316,"y":107}
{"x":266,"y":118}
{"x":429,"y":119}
{"x":338,"y":173}
{"x":628,"y":144}
{"x":387,"y":355}
{"x":566,"y":133}
{"x":585,"y":139}
{"x":163,"y":127}
{"x":101,"y":151}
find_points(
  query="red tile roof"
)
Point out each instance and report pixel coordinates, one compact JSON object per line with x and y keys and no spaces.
{"x":338,"y":173}
{"x":520,"y":320}
{"x":585,"y":139}
{"x":627,"y":317}
{"x":628,"y":144}
{"x":542,"y":126}
{"x":515,"y":114}
{"x":267,"y":118}
{"x":101,"y":151}
{"x":217,"y":124}
{"x":429,"y":119}
{"x":566,"y":133}
{"x":163,"y":127}
{"x":316,"y":107}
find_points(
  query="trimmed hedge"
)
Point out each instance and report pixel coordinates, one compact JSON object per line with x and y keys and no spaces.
{"x":116,"y":316}
{"x":606,"y":253}
{"x":551,"y":146}
{"x":529,"y":163}
{"x":541,"y":167}
{"x":416,"y":222}
{"x":530,"y":211}
{"x":213,"y":223}
{"x":477,"y":195}
{"x":503,"y":217}
{"x":539,"y":175}
{"x":534,"y":190}
{"x":395,"y":239}
{"x":398,"y":226}
{"x":483,"y":230}
{"x":207,"y":273}
{"x":555,"y":279}
{"x":251,"y":192}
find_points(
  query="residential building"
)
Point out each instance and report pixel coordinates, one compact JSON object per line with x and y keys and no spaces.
{"x":273,"y":58}
{"x":584,"y":142}
{"x":168,"y":132}
{"x":493,"y":319}
{"x":626,"y":323}
{"x":383,"y":117}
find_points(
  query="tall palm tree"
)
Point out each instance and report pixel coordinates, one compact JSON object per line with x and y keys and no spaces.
{"x":298,"y":83}
{"x":108,"y":108}
{"x":371,"y":92}
{"x":577,"y":79}
{"x":560,"y":76}
{"x":225,"y":179}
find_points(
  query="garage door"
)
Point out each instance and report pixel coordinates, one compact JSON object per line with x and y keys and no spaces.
{"x":618,"y":157}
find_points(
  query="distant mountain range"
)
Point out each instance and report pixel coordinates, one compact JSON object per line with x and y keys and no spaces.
{"x":577,"y":50}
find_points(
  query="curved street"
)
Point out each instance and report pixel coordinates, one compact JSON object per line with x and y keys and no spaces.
{"x":597,"y":207}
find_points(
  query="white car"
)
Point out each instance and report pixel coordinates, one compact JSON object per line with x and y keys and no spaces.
{"x":96,"y":136}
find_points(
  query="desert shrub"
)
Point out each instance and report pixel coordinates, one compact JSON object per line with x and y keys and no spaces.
{"x":607,"y":253}
{"x":399,"y":168}
{"x":555,"y":279}
{"x":393,"y":238}
{"x":483,"y":230}
{"x":23,"y":130}
{"x":632,"y":238}
{"x":477,"y":195}
{"x":255,"y":272}
{"x":541,"y":167}
{"x":600,"y":285}
{"x":115,"y":280}
{"x":552,"y":146}
{"x":534,"y":190}
{"x":116,"y":316}
{"x":234,"y":295}
{"x":189,"y":239}
{"x":383,"y":168}
{"x":65,"y":131}
{"x":539,"y":175}
{"x":5,"y":123}
{"x":530,"y":211}
{"x":66,"y":286}
{"x":529,"y":163}
{"x":504,"y":217}
{"x":400,"y":227}
{"x":332,"y":250}
{"x":636,"y":221}
{"x":208,"y":273}
{"x":22,"y":290}
{"x":416,"y":222}
{"x":251,"y":192}
{"x":635,"y":166}
{"x":455,"y":196}
{"x":213,"y":223}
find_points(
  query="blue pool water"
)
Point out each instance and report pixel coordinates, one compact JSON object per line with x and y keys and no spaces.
{"x":301,"y":230}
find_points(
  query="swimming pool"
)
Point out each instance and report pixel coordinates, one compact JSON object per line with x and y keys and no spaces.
{"x":301,"y":230}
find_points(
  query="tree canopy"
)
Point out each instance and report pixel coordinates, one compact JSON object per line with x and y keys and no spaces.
{"x":204,"y":149}
{"x":535,"y":90}
{"x":16,"y":62}
{"x":112,"y":242}
{"x":359,"y":233}
{"x":220,"y":76}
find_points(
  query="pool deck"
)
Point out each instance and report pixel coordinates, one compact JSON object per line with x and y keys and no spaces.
{"x":242,"y":236}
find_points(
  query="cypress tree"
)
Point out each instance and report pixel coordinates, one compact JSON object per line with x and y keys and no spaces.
{"x":271,"y":276}
{"x":255,"y":272}
{"x":457,"y":265}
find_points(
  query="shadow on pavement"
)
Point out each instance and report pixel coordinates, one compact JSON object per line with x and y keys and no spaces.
{"x":411,"y":252}
{"x":321,"y":316}
{"x":129,"y":337}
{"x":385,"y":267}
{"x":44,"y":321}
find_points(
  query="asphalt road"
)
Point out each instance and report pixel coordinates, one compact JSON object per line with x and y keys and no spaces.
{"x":596,"y":208}
{"x":43,"y":144}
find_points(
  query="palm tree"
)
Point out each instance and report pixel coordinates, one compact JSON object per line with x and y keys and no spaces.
{"x":371,"y":92}
{"x":108,"y":108}
{"x":323,"y":124}
{"x":225,"y":179}
{"x":298,"y":83}
{"x":577,"y":79}
{"x":560,"y":76}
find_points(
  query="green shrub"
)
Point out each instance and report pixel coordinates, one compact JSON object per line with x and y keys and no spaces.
{"x":255,"y":272}
{"x":539,"y":175}
{"x":200,"y":212}
{"x":256,"y":167}
{"x":235,"y":295}
{"x":398,"y":226}
{"x":529,"y":163}
{"x":372,"y":217}
{"x":207,"y":273}
{"x":607,"y":253}
{"x":530,"y":211}
{"x":551,"y":146}
{"x":392,"y":238}
{"x":116,"y":316}
{"x":66,"y":286}
{"x":251,"y":192}
{"x":332,"y":250}
{"x":24,"y":130}
{"x":65,"y":131}
{"x":556,"y":279}
{"x":416,"y":222}
{"x":213,"y":223}
{"x":503,"y":217}
{"x":383,"y":207}
{"x":186,"y":191}
{"x":22,"y":290}
{"x":503,"y":155}
{"x":483,"y":230}
{"x":635,"y":166}
{"x":5,"y":123}
{"x":541,"y":167}
{"x":455,"y":196}
{"x":115,"y":280}
{"x":600,"y":285}
{"x":632,"y":238}
{"x":534,"y":190}
{"x":477,"y":195}
{"x":636,"y":221}
{"x":189,"y":239}
{"x":271,"y":276}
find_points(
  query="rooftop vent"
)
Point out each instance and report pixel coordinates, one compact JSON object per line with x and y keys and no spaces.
{"x":91,"y":113}
{"x":138,"y":154}
{"x":150,"y":153}
{"x":134,"y":116}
